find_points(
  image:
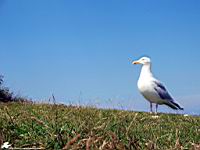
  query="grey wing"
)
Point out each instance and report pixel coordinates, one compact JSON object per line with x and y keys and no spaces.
{"x":163,"y":94}
{"x":161,"y":91}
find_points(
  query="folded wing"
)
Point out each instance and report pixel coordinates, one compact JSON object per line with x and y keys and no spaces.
{"x":163,"y":94}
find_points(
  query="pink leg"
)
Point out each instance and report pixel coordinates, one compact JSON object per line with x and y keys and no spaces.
{"x":156,"y":108}
{"x":151,"y":110}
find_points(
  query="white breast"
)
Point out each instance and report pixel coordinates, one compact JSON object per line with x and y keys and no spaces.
{"x":146,"y":88}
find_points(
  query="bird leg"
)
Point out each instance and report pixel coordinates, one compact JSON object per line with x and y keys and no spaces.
{"x":156,"y":108}
{"x":151,"y":110}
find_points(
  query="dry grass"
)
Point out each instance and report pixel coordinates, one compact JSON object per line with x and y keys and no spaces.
{"x":66,"y":127}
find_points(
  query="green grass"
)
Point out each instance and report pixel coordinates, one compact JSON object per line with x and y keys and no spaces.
{"x":58,"y":126}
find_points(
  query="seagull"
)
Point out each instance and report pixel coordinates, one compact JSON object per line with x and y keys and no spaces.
{"x":152,"y":89}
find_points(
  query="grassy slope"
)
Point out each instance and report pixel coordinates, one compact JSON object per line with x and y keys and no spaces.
{"x":53,"y":127}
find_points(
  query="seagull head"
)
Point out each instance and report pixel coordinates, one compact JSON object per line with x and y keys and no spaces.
{"x":143,"y":61}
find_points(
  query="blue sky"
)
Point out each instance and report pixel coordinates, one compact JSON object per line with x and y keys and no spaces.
{"x":81,"y":50}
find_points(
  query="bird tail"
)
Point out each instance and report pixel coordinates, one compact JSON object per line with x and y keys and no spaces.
{"x":174,"y":105}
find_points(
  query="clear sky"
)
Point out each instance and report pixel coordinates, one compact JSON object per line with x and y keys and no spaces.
{"x":80,"y":50}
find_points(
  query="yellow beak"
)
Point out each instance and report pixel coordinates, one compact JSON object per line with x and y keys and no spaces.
{"x":135,"y":62}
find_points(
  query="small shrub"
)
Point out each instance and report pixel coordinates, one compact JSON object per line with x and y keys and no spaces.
{"x":7,"y":96}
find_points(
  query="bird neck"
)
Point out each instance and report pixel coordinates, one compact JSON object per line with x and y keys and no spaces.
{"x":146,"y":71}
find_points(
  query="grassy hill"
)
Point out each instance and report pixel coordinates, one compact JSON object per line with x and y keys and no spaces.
{"x":58,"y":126}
